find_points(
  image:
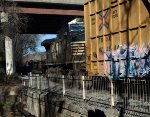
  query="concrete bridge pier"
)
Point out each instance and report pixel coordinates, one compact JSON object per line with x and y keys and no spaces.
{"x":9,"y":58}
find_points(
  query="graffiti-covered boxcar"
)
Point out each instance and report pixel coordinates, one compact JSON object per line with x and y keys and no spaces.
{"x":117,"y":34}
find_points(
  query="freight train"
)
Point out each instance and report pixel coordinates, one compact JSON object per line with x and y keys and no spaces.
{"x":117,"y":35}
{"x":66,"y":53}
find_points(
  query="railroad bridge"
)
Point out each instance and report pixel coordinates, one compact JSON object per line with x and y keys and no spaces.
{"x":47,"y":16}
{"x":77,"y":95}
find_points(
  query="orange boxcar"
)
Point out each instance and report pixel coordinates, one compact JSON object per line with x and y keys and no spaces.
{"x":117,"y":35}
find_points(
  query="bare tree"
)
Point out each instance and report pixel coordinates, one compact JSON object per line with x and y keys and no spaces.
{"x":17,"y":23}
{"x":26,"y":44}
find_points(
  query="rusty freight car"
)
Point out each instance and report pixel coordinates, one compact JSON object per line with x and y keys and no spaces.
{"x":117,"y":35}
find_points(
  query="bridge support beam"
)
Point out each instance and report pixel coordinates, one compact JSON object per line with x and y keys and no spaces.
{"x":9,"y":56}
{"x":9,"y":59}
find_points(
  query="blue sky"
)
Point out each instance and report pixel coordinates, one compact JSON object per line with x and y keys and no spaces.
{"x":46,"y":36}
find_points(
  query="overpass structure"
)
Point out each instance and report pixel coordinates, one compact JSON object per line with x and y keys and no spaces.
{"x":47,"y":16}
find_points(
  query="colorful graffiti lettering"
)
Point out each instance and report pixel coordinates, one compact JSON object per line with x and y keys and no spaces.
{"x":103,"y":20}
{"x":108,"y":55}
{"x":136,"y":64}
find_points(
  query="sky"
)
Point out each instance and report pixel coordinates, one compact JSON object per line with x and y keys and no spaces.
{"x":44,"y":37}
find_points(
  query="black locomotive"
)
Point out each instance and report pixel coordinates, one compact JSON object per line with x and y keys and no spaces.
{"x":66,"y":53}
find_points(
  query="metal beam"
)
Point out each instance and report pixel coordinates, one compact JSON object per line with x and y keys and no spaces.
{"x":49,"y":11}
{"x":75,"y":2}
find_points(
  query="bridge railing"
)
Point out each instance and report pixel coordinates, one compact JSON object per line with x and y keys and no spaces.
{"x":129,"y":94}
